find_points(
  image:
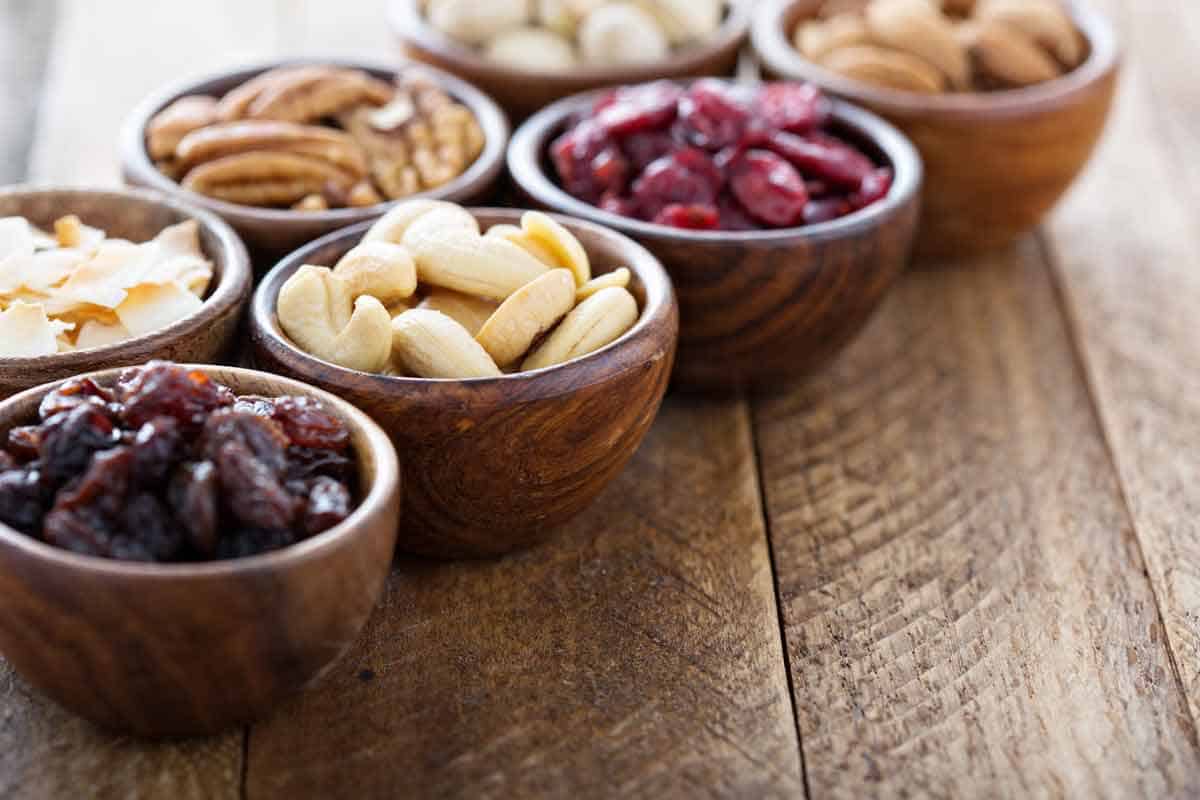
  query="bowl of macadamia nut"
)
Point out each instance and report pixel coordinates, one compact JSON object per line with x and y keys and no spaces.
{"x":1004,"y":99}
{"x":516,"y":359}
{"x":529,"y":53}
{"x":288,"y":152}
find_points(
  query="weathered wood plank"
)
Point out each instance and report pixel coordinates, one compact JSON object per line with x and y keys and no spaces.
{"x":25,"y":28}
{"x":1126,"y":244}
{"x":636,"y":655}
{"x":965,"y":608}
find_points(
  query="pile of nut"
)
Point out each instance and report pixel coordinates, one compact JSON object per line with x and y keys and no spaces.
{"x":933,"y":46}
{"x":316,"y":137}
{"x":78,"y":289}
{"x":561,"y":34}
{"x":427,"y":294}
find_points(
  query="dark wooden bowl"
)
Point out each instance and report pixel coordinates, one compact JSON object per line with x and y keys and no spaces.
{"x":493,"y":465}
{"x":183,"y":649}
{"x":523,"y":92}
{"x":758,"y":307}
{"x":995,"y":162}
{"x":138,"y":216}
{"x":271,"y":232}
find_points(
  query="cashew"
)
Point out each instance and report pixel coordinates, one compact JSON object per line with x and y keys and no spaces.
{"x":561,"y":242}
{"x":526,"y":242}
{"x":621,"y":33}
{"x":392,"y":225}
{"x":475,"y":22}
{"x":618,"y":278}
{"x":315,"y":311}
{"x":378,"y":268}
{"x":527,"y":314}
{"x":431,"y":345}
{"x":468,"y":311}
{"x":437,"y":221}
{"x":467,"y":262}
{"x":597,"y":321}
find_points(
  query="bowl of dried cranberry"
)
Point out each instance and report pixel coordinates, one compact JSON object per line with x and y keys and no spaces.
{"x":272,"y":507}
{"x":782,"y":216}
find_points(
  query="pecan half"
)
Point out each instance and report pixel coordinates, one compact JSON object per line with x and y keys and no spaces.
{"x":302,"y":94}
{"x":266,"y":178}
{"x":227,"y":138}
{"x":169,"y":126}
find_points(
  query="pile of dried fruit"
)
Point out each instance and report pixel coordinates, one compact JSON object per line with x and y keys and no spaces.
{"x":168,"y":465}
{"x":561,"y":34}
{"x":716,"y":155}
{"x":316,"y":137}
{"x":935,"y":46}
{"x":78,"y":289}
{"x":428,"y":294}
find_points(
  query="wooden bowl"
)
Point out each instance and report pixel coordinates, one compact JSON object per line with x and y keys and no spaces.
{"x":138,"y":216}
{"x":523,"y":92}
{"x":757,"y":307}
{"x":184,"y":649}
{"x":493,"y":465}
{"x":272,"y":232}
{"x":995,"y":162}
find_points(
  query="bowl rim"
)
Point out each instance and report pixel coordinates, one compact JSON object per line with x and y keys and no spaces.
{"x":531,"y":138}
{"x":387,"y":479}
{"x":771,"y":43}
{"x":232,"y":286}
{"x":659,"y":305}
{"x":487,"y":165}
{"x":412,"y":27}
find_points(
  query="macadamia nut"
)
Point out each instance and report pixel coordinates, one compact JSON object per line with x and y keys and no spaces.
{"x":621,"y":33}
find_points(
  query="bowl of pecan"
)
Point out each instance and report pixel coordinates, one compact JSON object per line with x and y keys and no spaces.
{"x":529,"y":54}
{"x":516,"y":358}
{"x":181,"y":547}
{"x":93,"y":278}
{"x":1004,"y":99}
{"x":289,"y":152}
{"x":782,"y":216}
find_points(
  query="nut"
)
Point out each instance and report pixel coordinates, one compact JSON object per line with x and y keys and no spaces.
{"x":266,"y":178}
{"x":558,"y":240}
{"x":302,"y":94}
{"x":621,"y":33}
{"x":531,"y":49}
{"x":392,"y":225}
{"x":227,"y":138}
{"x":311,"y":202}
{"x":617,"y":278}
{"x":917,"y":28}
{"x":169,"y":126}
{"x":1041,"y":20}
{"x":315,"y":310}
{"x":526,"y":242}
{"x":474,"y":22}
{"x":602,"y":318}
{"x":431,"y":345}
{"x":818,"y":38}
{"x":527,"y":314}
{"x":469,"y":311}
{"x":1010,"y":57}
{"x":463,"y":260}
{"x":363,"y":195}
{"x":888,"y":68}
{"x":685,"y":20}
{"x":381,"y":269}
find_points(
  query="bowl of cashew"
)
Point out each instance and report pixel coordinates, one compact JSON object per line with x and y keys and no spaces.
{"x":517,"y":359}
{"x":505,"y":47}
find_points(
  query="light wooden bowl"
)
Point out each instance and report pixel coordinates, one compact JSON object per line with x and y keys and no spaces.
{"x":183,"y":649}
{"x":522,"y":92}
{"x":493,"y":465}
{"x":272,"y":232}
{"x":138,"y":216}
{"x":757,"y":307}
{"x":995,"y":162}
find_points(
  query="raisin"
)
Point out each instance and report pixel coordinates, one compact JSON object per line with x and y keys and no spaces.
{"x":264,"y":438}
{"x":308,"y":424}
{"x":637,"y":109}
{"x":691,"y":217}
{"x":252,"y":542}
{"x":684,"y":177}
{"x":252,"y":491}
{"x":25,"y":442}
{"x":7,"y":461}
{"x":792,"y":107}
{"x":162,"y":389}
{"x":150,"y":534}
{"x":156,"y":447}
{"x":21,"y":500}
{"x":69,"y":440}
{"x":714,"y":114}
{"x":328,"y":504}
{"x":193,"y":495}
{"x":254,"y":404}
{"x":70,"y":394}
{"x":769,"y":188}
{"x":305,"y":463}
{"x":103,"y":487}
{"x":823,"y":157}
{"x":78,"y":530}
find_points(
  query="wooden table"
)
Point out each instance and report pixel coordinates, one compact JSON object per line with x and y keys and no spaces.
{"x":963,"y":561}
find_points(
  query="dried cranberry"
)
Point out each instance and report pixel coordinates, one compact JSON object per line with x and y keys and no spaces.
{"x":691,"y":217}
{"x":252,"y":542}
{"x":769,"y":188}
{"x":635,"y":109}
{"x":25,"y":442}
{"x":163,"y":389}
{"x":69,"y":440}
{"x":328,"y":504}
{"x":826,"y":209}
{"x":823,"y":157}
{"x":733,"y":216}
{"x":21,"y":500}
{"x":308,"y":424}
{"x":252,"y":491}
{"x":686,"y":177}
{"x":621,"y":206}
{"x":588,"y":161}
{"x":264,"y":438}
{"x":714,"y":114}
{"x":193,"y":495}
{"x":793,"y":107}
{"x":70,"y":394}
{"x":642,"y":148}
{"x":156,"y":447}
{"x":873,"y":188}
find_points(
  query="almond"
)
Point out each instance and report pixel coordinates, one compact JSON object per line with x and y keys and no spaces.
{"x":890,"y":69}
{"x":919,"y":29}
{"x":1043,"y":21}
{"x":816,"y":38}
{"x":1010,"y":57}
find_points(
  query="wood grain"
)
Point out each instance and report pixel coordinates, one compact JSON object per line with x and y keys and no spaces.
{"x":636,"y":655}
{"x":964,"y":601}
{"x":1133,"y":294}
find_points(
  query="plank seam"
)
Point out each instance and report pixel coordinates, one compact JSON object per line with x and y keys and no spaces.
{"x":1074,"y":334}
{"x":761,"y":484}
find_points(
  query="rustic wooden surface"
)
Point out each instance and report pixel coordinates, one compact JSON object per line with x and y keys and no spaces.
{"x":960,"y":562}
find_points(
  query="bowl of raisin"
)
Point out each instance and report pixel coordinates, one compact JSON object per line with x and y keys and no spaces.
{"x":782,"y":216}
{"x":181,"y":547}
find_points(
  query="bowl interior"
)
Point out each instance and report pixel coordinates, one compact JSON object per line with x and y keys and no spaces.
{"x":378,"y":474}
{"x":485,"y":167}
